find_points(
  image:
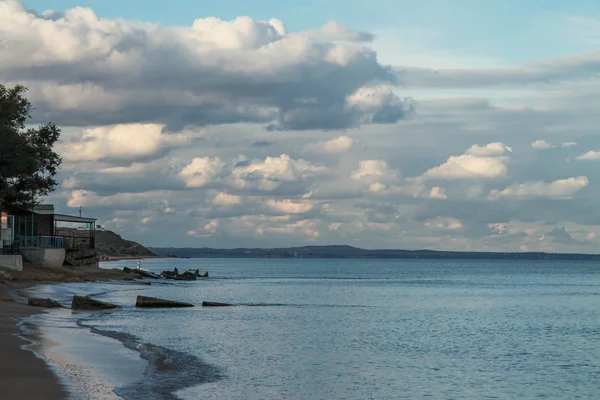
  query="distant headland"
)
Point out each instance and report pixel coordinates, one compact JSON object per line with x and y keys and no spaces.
{"x":341,"y":251}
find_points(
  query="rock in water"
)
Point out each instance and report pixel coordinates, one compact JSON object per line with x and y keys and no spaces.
{"x":214,"y":304}
{"x":85,"y":303}
{"x":45,"y":303}
{"x":188,"y":276}
{"x":153,"y":302}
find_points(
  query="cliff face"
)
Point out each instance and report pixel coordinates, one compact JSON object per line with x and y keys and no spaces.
{"x":111,"y":244}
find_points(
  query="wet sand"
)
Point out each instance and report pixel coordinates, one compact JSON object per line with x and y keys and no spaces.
{"x":22,"y":374}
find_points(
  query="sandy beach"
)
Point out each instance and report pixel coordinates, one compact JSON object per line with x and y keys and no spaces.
{"x":22,"y":374}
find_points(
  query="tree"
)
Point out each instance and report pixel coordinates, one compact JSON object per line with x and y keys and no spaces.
{"x":28,"y":163}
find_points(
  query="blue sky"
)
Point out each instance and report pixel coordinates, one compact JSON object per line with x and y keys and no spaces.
{"x":512,"y":30}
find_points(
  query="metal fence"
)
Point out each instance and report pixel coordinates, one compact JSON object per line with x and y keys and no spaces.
{"x":44,"y":242}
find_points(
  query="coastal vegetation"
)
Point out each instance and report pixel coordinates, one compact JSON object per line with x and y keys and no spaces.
{"x":28,"y":162}
{"x":354,"y":252}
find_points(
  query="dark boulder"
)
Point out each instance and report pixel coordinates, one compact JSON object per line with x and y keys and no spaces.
{"x":85,"y":303}
{"x":188,"y":276}
{"x":153,"y":302}
{"x":45,"y":303}
{"x":214,"y":304}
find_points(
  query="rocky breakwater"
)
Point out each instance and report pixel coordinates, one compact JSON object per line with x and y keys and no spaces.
{"x":154,"y":302}
{"x":215,"y":304}
{"x":44,"y":303}
{"x":86,"y":303}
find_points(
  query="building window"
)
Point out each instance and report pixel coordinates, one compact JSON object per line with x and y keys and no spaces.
{"x":4,"y":220}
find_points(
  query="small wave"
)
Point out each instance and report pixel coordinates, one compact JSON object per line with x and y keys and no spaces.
{"x":301,"y":305}
{"x":168,"y":370}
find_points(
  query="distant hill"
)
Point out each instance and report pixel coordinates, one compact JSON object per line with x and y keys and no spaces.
{"x":109,"y":243}
{"x":354,"y":252}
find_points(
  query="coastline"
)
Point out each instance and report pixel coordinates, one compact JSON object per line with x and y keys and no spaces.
{"x":108,"y":258}
{"x":22,"y":374}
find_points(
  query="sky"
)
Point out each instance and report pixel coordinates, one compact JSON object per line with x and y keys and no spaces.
{"x":447,"y":125}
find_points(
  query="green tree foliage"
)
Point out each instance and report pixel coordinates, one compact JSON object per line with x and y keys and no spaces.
{"x":28,"y":163}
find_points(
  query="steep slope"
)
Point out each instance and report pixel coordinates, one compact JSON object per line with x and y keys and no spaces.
{"x":111,"y":244}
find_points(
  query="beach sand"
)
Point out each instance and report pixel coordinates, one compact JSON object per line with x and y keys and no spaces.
{"x":22,"y":374}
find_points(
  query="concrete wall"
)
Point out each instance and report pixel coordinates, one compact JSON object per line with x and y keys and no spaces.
{"x":51,"y":258}
{"x":14,"y":263}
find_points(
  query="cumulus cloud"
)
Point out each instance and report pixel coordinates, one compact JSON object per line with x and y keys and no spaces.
{"x":109,"y":71}
{"x":437,"y":192}
{"x":444,"y":223}
{"x":289,"y":207}
{"x":226,"y":199}
{"x":208,"y":229}
{"x":477,"y":162}
{"x":339,"y":144}
{"x":85,"y":198}
{"x":542,"y":145}
{"x":201,"y":171}
{"x":562,"y":188}
{"x":590,"y":155}
{"x":124,"y":142}
{"x":273,"y":171}
{"x":273,"y":225}
{"x":377,"y":169}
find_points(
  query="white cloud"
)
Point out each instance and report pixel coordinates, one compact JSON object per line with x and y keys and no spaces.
{"x":372,"y":169}
{"x":270,"y":173}
{"x":201,"y":171}
{"x":85,"y":198}
{"x":562,"y":188}
{"x":273,"y":225}
{"x":477,"y":162}
{"x":568,"y":144}
{"x":226,"y":199}
{"x":437,"y":192}
{"x":590,"y":155}
{"x":489,"y":150}
{"x":132,"y":141}
{"x":207,"y":230}
{"x":542,"y":145}
{"x":289,"y":207}
{"x":339,"y":144}
{"x":443,"y":223}
{"x":113,"y":71}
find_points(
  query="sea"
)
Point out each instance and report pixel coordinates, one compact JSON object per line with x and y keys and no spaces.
{"x":332,"y":329}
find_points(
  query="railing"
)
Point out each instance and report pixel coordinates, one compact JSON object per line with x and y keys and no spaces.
{"x":9,"y":247}
{"x":44,"y":242}
{"x":78,"y":242}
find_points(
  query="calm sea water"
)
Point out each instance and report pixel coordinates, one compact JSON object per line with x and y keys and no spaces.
{"x":336,"y":329}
